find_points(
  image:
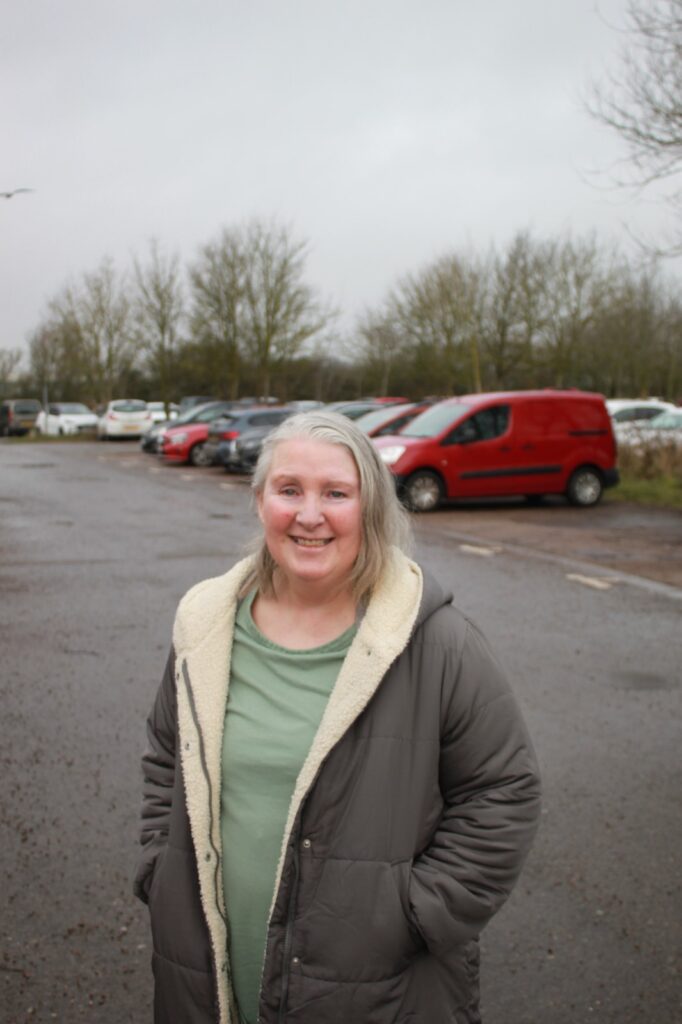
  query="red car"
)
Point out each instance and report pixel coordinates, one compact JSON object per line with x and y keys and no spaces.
{"x":516,"y":442}
{"x":390,"y":419}
{"x":186,"y":441}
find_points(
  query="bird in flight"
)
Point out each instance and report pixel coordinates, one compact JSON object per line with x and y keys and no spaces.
{"x":8,"y":195}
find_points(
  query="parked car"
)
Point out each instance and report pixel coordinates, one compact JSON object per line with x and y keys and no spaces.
{"x":390,"y":419}
{"x":184,"y":441}
{"x":518,"y":442}
{"x":123,"y":417}
{"x":224,"y":434}
{"x":150,"y":440}
{"x":636,"y":410}
{"x":18,"y":415}
{"x":66,"y":418}
{"x":158,"y":411}
{"x":353,"y":410}
{"x":190,"y":400}
{"x":305,"y":404}
{"x":666,"y":428}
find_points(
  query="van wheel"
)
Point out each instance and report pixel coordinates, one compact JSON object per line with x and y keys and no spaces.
{"x":585,"y":487}
{"x":423,"y":491}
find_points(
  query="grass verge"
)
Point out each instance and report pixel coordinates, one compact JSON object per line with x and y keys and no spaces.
{"x":650,"y":474}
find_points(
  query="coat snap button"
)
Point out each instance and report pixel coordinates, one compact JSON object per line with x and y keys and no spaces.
{"x":296,"y":961}
{"x":307,"y":844}
{"x":207,"y":856}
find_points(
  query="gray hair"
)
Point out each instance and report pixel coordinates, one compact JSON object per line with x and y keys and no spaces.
{"x":385,"y":523}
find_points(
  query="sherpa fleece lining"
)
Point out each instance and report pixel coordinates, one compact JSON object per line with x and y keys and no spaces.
{"x":202,"y":638}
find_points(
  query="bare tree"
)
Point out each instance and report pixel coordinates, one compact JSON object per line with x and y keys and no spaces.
{"x":10,"y":358}
{"x":217,"y":281}
{"x":380,"y":346}
{"x":513,"y":310}
{"x":438,"y":311}
{"x":100,"y":310}
{"x":575,"y":292}
{"x":158,"y":307}
{"x":642,"y":101}
{"x":281,"y":312}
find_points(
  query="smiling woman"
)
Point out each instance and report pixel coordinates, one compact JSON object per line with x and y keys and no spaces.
{"x":339,"y":788}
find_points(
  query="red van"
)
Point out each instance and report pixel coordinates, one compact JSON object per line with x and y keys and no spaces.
{"x":514,"y":442}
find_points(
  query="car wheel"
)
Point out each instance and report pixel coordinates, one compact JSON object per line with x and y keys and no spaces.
{"x":423,"y":491}
{"x":198,"y":456}
{"x":585,"y":487}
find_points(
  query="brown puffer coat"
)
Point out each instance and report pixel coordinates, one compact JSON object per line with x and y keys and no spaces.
{"x":407,"y":830}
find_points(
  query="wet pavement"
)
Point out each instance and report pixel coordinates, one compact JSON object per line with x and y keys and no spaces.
{"x":97,"y":544}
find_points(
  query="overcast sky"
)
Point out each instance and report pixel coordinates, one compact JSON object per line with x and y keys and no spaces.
{"x":385,"y":132}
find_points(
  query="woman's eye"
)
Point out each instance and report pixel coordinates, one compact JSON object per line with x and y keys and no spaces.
{"x":337,"y":494}
{"x":288,"y":492}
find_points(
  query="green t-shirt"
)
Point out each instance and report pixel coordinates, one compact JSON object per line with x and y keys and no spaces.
{"x":275,"y":702}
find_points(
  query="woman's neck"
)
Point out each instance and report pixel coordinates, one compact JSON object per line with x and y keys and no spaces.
{"x":303,"y":617}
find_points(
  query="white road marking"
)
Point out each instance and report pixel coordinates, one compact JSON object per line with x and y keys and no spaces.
{"x":188,"y":476}
{"x":475,"y":549}
{"x":596,"y":582}
{"x":154,"y":469}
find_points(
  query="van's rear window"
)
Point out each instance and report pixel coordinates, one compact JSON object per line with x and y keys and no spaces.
{"x":26,"y":408}
{"x":435,"y":420}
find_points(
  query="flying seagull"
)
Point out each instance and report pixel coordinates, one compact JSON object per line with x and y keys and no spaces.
{"x":8,"y":195}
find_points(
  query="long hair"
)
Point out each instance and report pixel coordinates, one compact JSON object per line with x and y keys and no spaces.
{"x":385,"y":523}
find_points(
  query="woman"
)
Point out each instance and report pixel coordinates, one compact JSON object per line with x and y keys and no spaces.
{"x":339,"y":788}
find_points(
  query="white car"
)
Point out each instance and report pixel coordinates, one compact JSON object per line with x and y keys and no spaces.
{"x":158,"y":411}
{"x":124,"y":417}
{"x":636,"y":410}
{"x":64,"y":418}
{"x":666,"y":428}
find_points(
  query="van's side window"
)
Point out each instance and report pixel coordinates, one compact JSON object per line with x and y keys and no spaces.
{"x":485,"y":425}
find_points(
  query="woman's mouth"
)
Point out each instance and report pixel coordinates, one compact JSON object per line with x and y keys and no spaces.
{"x":308,"y":542}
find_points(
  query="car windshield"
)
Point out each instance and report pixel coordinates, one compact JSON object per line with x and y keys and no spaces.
{"x":72,"y":409}
{"x":435,"y":420}
{"x":666,"y":420}
{"x":156,"y":406}
{"x":130,"y":405}
{"x":375,"y":419}
{"x":201,"y":414}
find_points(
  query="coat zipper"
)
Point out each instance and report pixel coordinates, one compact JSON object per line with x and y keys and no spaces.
{"x":232,"y":1010}
{"x":288,"y":938}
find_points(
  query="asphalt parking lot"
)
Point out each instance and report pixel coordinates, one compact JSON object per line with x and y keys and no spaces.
{"x":98,"y":543}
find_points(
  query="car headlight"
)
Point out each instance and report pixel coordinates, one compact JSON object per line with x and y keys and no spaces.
{"x":177,"y":439}
{"x":392,"y":453}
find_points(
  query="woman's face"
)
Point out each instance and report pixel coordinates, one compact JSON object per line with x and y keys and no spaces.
{"x":311,"y":512}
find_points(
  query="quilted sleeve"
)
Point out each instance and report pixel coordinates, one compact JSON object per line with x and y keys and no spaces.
{"x":158,"y":770}
{"x":490,"y":786}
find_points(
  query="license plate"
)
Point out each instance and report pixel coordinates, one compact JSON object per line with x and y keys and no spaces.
{"x":132,"y":427}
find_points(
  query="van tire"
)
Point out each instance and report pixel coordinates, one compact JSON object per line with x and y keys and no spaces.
{"x":585,"y":487}
{"x":423,"y":491}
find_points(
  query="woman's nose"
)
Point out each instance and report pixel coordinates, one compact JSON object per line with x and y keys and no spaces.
{"x":310,"y":511}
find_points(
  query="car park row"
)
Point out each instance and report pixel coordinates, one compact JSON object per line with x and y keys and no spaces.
{"x":528,"y":443}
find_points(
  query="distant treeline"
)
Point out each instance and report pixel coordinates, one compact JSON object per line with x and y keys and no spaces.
{"x":240,"y":319}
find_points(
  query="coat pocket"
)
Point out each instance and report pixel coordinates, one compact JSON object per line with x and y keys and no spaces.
{"x":146,"y":870}
{"x":357,"y":928}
